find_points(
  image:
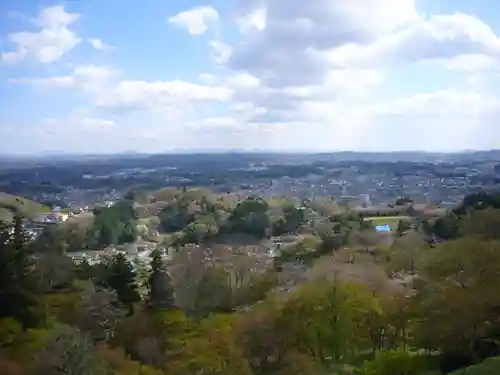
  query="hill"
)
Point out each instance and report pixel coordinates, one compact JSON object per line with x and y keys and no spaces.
{"x":26,"y":207}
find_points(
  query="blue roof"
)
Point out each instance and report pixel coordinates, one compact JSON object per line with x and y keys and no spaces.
{"x":383,"y":228}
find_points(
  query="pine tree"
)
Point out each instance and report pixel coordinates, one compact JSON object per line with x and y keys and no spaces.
{"x":121,"y":276}
{"x":19,"y":292}
{"x":161,"y":291}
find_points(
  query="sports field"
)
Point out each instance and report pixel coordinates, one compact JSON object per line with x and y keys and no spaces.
{"x":391,"y":221}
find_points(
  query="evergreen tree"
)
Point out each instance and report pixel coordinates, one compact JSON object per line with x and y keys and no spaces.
{"x":19,"y":294}
{"x":161,"y":291}
{"x":121,"y":276}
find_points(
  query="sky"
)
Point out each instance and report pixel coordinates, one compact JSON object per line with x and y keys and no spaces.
{"x":107,"y":76}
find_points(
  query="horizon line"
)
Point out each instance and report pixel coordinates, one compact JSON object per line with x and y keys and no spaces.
{"x":57,"y":153}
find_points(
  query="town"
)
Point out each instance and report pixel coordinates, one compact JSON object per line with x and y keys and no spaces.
{"x":435,"y":179}
{"x":384,"y":193}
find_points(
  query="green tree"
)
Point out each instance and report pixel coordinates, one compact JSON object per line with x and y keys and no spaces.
{"x":113,"y":225}
{"x":329,"y":320}
{"x":175,"y":216}
{"x":250,"y":216}
{"x":19,"y":280}
{"x":121,"y":276}
{"x":294,"y":218}
{"x":446,"y":227}
{"x":212,"y":292}
{"x":403,"y":226}
{"x":484,"y":224}
{"x":455,"y":305}
{"x":56,"y":271}
{"x":161,"y":290}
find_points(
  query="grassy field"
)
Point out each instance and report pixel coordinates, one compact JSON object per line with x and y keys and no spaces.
{"x":26,"y":207}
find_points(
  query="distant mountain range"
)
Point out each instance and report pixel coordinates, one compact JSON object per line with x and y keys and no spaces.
{"x":415,"y":156}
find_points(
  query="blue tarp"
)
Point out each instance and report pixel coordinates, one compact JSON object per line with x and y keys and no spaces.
{"x":383,"y":228}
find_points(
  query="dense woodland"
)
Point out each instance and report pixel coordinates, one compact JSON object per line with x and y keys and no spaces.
{"x":435,"y":308}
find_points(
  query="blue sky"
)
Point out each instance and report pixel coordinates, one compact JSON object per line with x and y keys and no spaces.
{"x":377,"y":75}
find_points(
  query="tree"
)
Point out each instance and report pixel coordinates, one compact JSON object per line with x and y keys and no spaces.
{"x":121,"y":277}
{"x":99,"y":312}
{"x":51,"y":240}
{"x":484,"y":224}
{"x":478,"y":201}
{"x":141,"y":338}
{"x":456,"y":308}
{"x":113,"y":225}
{"x":199,"y":230}
{"x":403,"y":201}
{"x":175,"y":216}
{"x":364,"y":239}
{"x":293,"y":217}
{"x":250,"y":216}
{"x":69,"y":352}
{"x":406,"y":254}
{"x":298,"y":363}
{"x":446,"y":227}
{"x":213,"y":351}
{"x":403,"y":226}
{"x":161,"y":290}
{"x":212,"y":293}
{"x":56,"y":271}
{"x":256,"y":289}
{"x":329,"y":319}
{"x":258,"y":333}
{"x":330,"y":242}
{"x":19,"y":283}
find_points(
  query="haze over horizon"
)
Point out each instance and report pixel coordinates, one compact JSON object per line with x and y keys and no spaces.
{"x":161,"y":76}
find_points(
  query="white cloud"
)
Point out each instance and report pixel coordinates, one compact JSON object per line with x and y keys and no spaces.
{"x":323,"y":75}
{"x":221,"y":52}
{"x":99,"y":45}
{"x":53,"y":39}
{"x":253,"y":20}
{"x":469,"y":63}
{"x":76,"y":124}
{"x":334,"y":75}
{"x":107,"y":89}
{"x":440,"y":37}
{"x":196,"y":20}
{"x":158,"y":95}
{"x":89,"y":78}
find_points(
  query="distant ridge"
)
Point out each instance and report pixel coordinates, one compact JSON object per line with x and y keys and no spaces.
{"x":388,"y":156}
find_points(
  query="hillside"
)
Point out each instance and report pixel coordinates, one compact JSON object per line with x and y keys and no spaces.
{"x":26,"y":207}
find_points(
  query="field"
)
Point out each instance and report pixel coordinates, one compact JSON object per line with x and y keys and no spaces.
{"x":392,"y":221}
{"x":26,"y":207}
